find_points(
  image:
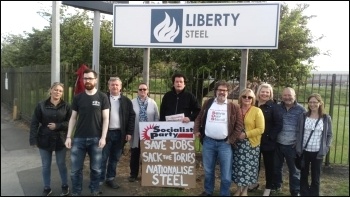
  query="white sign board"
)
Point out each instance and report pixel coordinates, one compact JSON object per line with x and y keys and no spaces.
{"x":220,"y":26}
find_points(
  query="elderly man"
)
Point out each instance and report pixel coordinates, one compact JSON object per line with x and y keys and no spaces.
{"x":286,"y":140}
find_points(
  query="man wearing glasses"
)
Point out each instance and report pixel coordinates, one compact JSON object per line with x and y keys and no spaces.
{"x":90,"y":110}
{"x":120,"y":130}
{"x":221,"y":123}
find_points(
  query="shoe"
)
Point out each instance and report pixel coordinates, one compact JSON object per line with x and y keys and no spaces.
{"x":65,"y":190}
{"x":132,"y":179}
{"x":276,"y":190}
{"x":267,"y":192}
{"x":204,"y":194}
{"x":244,"y":191}
{"x":74,"y":194}
{"x":295,"y":194}
{"x":95,"y":193}
{"x":47,"y":191}
{"x":112,"y":184}
{"x":237,"y":193}
{"x":253,"y":187}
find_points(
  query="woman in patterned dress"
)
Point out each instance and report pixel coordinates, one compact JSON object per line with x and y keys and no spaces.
{"x":246,"y":154}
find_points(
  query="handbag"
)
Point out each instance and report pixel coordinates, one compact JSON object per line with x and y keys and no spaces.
{"x":299,"y":159}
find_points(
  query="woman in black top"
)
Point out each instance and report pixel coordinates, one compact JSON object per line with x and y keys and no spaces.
{"x":48,"y":131}
{"x":273,"y":124}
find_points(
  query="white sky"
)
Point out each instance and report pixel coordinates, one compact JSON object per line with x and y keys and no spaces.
{"x":332,"y":21}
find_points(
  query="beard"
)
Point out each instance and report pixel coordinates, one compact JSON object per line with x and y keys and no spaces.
{"x":89,"y":86}
{"x":221,"y":98}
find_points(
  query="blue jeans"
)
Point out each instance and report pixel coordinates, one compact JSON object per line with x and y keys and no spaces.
{"x":211,"y":151}
{"x":111,"y":153}
{"x":286,"y":152}
{"x":80,"y":147}
{"x":46,"y":159}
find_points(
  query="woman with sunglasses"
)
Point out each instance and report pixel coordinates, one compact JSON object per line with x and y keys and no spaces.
{"x":146,"y":110}
{"x":48,"y":131}
{"x":246,"y":154}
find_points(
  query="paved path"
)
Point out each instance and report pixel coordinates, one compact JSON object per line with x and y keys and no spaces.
{"x":21,"y":164}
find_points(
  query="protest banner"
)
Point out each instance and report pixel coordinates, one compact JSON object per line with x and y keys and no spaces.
{"x":168,"y":154}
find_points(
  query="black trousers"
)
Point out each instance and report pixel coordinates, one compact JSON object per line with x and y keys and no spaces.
{"x":135,"y":162}
{"x":312,"y":189}
{"x":268,"y":157}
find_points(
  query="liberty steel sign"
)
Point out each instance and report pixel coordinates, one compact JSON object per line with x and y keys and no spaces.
{"x":230,"y":26}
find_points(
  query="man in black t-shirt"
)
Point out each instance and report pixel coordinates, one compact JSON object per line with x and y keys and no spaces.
{"x":92,"y":107}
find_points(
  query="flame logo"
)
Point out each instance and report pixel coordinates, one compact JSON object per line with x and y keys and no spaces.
{"x":146,"y":132}
{"x":164,"y":32}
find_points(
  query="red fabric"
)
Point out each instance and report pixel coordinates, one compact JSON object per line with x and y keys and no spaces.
{"x":79,"y":83}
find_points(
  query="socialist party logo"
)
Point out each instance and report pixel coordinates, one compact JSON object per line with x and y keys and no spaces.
{"x":155,"y":132}
{"x":166,"y":25}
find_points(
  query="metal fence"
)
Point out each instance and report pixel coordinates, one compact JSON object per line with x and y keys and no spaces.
{"x":22,"y":88}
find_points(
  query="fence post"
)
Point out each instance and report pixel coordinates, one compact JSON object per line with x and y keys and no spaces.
{"x":331,"y":107}
{"x":14,"y":112}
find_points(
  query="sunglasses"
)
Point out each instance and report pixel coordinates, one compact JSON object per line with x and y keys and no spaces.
{"x":142,"y":89}
{"x":247,"y":97}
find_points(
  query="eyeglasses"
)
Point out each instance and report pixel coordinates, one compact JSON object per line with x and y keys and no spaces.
{"x":221,"y":90}
{"x":313,"y":103}
{"x":247,"y":97}
{"x":88,"y":78}
{"x":141,"y":89}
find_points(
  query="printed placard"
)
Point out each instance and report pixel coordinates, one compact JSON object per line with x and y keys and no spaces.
{"x":168,"y":154}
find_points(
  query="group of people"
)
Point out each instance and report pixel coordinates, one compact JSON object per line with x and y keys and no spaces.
{"x":100,"y":124}
{"x":237,"y":135}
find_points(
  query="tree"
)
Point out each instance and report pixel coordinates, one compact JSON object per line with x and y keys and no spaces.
{"x":10,"y":48}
